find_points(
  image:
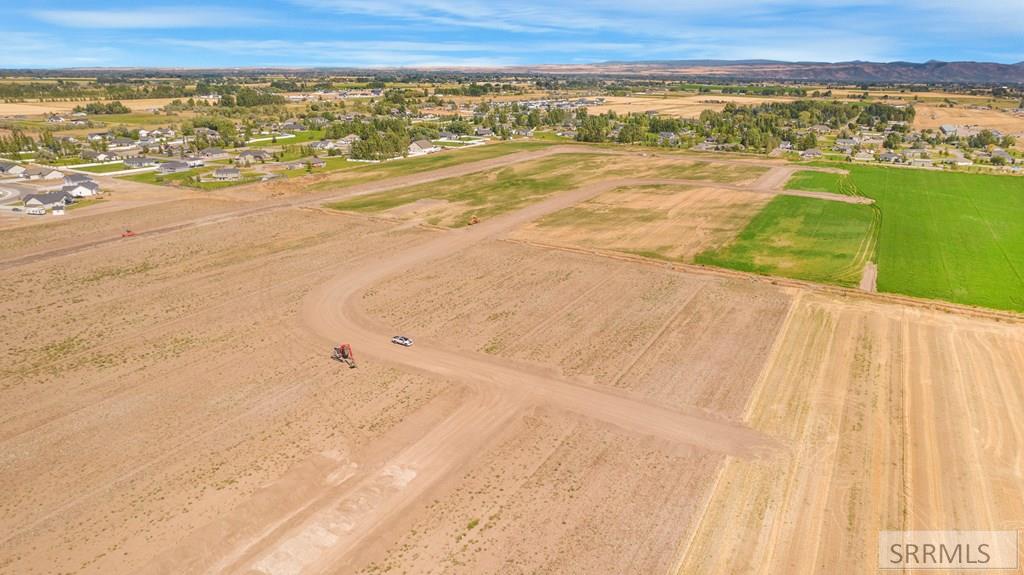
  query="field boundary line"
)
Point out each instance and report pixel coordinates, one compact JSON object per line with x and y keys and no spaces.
{"x":853,"y":293}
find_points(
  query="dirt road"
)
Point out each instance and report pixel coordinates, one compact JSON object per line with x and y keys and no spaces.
{"x":325,"y":531}
{"x":771,"y":182}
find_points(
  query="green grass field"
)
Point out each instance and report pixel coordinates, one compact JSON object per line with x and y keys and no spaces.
{"x":950,"y":236}
{"x":105,"y":168}
{"x":186,"y":179}
{"x":802,"y":238}
{"x":300,"y":138}
{"x":485,"y":195}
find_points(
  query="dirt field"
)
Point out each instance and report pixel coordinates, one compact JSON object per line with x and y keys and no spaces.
{"x":683,"y":106}
{"x":935,"y":116}
{"x":36,"y":108}
{"x":171,"y":406}
{"x":670,"y":222}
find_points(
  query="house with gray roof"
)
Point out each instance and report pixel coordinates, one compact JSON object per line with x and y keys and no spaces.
{"x":48,"y":199}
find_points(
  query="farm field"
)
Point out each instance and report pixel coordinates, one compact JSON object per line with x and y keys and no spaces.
{"x":666,"y":222}
{"x":683,"y":106}
{"x":172,"y":407}
{"x":452,"y":203}
{"x":32,"y":108}
{"x":802,"y":238}
{"x":948,"y":236}
{"x":935,"y":116}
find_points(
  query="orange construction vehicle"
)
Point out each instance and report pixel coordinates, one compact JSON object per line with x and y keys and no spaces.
{"x":343,"y":353}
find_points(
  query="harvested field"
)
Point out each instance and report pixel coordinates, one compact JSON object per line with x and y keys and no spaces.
{"x":452,"y":202}
{"x":171,"y":406}
{"x":935,"y":116}
{"x":665,"y":222}
{"x":674,"y":105}
{"x":32,"y":108}
{"x":896,"y":420}
{"x":610,"y":322}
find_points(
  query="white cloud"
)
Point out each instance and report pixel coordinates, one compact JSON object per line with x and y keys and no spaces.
{"x":150,"y":18}
{"x":35,"y":50}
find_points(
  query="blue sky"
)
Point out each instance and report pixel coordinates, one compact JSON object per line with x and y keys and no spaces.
{"x":369,"y":33}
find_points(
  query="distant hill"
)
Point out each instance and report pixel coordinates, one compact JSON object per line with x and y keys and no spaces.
{"x":931,"y":72}
{"x":896,"y":72}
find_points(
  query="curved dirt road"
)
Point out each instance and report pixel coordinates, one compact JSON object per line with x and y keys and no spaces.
{"x":368,"y":501}
{"x":324,"y":533}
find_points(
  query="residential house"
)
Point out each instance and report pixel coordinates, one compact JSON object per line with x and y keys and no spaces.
{"x":1002,"y":154}
{"x":811,"y":154}
{"x":292,"y":126}
{"x":317,"y":163}
{"x":98,"y":156}
{"x":669,"y":138}
{"x":194,"y":161}
{"x":11,"y":168}
{"x":421,"y":147}
{"x":98,"y":136}
{"x":249,"y":157}
{"x":484,"y":132}
{"x":948,"y":129}
{"x":82,"y":189}
{"x":122,"y":143}
{"x":212,"y":153}
{"x":889,"y":157}
{"x":173,"y":167}
{"x":139,"y":162}
{"x":207,"y":133}
{"x":227,"y":174}
{"x":41,"y":173}
{"x":48,"y":199}
{"x":74,"y":179}
{"x":864,"y":156}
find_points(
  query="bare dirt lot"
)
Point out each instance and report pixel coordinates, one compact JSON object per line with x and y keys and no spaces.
{"x":34,"y":108}
{"x":670,"y":222}
{"x":683,"y":106}
{"x":171,"y":406}
{"x":935,"y":116}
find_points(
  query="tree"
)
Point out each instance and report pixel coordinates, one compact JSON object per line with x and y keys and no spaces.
{"x":893,"y":141}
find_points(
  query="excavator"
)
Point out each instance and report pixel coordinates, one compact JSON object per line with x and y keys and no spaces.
{"x":344,"y":354}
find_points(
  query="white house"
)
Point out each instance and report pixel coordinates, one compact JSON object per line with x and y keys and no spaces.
{"x":82,"y":189}
{"x":41,"y":173}
{"x":11,"y":168}
{"x":421,"y":147}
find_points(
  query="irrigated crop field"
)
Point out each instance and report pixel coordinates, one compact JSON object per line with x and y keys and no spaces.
{"x":171,"y":407}
{"x":955,"y":237}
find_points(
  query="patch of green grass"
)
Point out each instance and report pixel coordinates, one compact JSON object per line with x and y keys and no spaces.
{"x":105,"y":168}
{"x":300,"y":138}
{"x":802,"y":238}
{"x":950,"y":236}
{"x":485,"y":195}
{"x":140,"y":119}
{"x":65,"y":162}
{"x":190,"y":179}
